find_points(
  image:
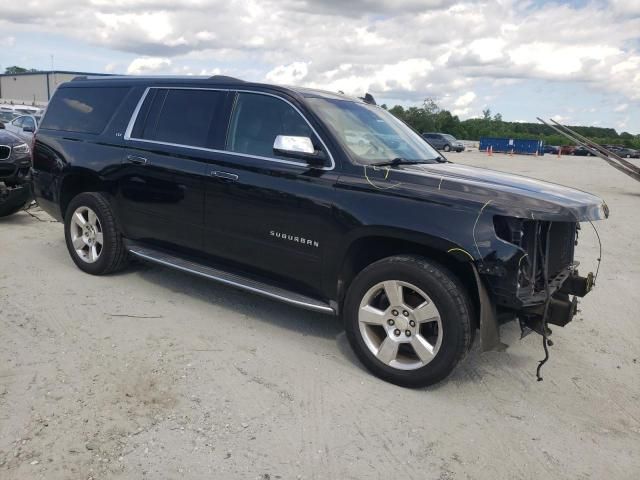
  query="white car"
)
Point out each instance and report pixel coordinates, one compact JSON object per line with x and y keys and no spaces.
{"x":23,"y":126}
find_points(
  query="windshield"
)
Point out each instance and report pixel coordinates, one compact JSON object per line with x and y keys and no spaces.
{"x":370,"y":134}
{"x":451,"y":138}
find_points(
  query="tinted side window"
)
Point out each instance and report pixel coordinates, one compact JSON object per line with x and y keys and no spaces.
{"x":18,"y":122}
{"x":28,"y":122}
{"x":85,"y":110}
{"x":256,"y":122}
{"x":181,"y":116}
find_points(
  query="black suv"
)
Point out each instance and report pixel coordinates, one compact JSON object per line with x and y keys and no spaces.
{"x":320,"y":200}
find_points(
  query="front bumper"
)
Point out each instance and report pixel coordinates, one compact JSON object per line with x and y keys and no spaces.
{"x":15,"y":170}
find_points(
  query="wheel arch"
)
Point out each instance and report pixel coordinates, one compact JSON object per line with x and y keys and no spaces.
{"x":376,"y":245}
{"x":77,"y":181}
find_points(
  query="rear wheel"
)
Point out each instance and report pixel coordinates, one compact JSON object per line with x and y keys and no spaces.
{"x":408,"y":320}
{"x":93,"y":238}
{"x":447,"y":148}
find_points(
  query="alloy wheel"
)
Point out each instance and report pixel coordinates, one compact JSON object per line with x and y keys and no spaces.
{"x":86,"y":234}
{"x":400,"y":325}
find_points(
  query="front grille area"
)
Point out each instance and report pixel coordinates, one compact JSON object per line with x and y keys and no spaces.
{"x":561,"y":246}
{"x":5,"y":152}
{"x":559,"y":255}
{"x":531,"y":236}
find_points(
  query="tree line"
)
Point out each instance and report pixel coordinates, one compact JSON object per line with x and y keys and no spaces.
{"x":431,"y":118}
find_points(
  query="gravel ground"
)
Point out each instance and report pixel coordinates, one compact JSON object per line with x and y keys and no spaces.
{"x":156,"y":374}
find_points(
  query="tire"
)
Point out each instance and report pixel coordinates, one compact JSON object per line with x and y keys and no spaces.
{"x":369,"y":329}
{"x":110,"y":255}
{"x":447,"y":148}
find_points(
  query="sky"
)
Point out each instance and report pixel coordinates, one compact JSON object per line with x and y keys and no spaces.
{"x":575,"y":61}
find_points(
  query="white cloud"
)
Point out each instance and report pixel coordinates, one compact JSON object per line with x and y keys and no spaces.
{"x":403,"y":49}
{"x":289,"y":74}
{"x":148,"y":65}
{"x":465,"y":99}
{"x":621,"y":108}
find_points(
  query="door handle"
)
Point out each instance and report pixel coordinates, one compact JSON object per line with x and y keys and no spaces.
{"x":138,"y":160}
{"x":225,"y":175}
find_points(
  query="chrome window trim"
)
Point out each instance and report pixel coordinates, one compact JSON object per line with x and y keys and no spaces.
{"x":136,"y":112}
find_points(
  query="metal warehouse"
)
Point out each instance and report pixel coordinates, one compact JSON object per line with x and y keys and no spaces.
{"x":34,"y":88}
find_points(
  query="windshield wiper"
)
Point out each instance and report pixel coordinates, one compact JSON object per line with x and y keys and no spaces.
{"x":402,"y":161}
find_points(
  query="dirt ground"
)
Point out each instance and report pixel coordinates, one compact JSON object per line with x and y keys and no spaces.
{"x":156,"y":374}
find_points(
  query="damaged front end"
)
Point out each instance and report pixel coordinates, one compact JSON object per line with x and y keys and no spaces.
{"x":13,"y":197}
{"x":544,"y":286}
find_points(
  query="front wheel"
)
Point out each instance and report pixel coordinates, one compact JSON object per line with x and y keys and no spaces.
{"x":408,"y":320}
{"x":93,"y":238}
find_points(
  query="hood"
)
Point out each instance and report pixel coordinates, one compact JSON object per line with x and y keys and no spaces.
{"x":8,"y":138}
{"x":510,"y":194}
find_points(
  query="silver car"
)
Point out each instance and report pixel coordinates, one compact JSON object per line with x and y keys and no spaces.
{"x":23,"y":126}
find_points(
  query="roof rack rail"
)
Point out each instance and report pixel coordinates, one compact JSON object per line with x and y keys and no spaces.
{"x":226,"y":79}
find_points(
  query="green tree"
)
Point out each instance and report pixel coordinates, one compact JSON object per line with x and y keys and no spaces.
{"x":16,"y":69}
{"x":429,"y":117}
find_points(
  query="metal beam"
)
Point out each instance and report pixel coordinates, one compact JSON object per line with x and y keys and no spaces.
{"x":609,"y":153}
{"x":597,"y":153}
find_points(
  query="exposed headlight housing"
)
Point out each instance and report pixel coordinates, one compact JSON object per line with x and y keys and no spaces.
{"x":21,"y":149}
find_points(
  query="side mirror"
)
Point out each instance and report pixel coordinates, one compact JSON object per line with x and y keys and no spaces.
{"x":298,"y":147}
{"x":28,"y":129}
{"x":1,"y":126}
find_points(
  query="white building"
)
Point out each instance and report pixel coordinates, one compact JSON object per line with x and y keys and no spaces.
{"x":34,"y":88}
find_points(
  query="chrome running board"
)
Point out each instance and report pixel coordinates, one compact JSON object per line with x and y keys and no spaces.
{"x":228,"y":278}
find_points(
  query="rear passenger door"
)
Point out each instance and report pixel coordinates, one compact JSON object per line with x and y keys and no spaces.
{"x":161,"y":190}
{"x":263,"y":210}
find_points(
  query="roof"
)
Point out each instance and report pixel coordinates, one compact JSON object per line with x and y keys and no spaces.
{"x":203,"y":81}
{"x":44,"y":72}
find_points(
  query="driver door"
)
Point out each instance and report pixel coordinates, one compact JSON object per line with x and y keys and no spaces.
{"x":262,"y":210}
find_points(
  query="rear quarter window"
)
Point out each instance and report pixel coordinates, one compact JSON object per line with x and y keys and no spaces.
{"x":83,"y":110}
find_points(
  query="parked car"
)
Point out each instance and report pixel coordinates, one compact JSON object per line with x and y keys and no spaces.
{"x":23,"y":126}
{"x":21,"y":109}
{"x":550,"y":149}
{"x":625,"y":152}
{"x":567,"y":149}
{"x":581,"y":151}
{"x":6,"y":117}
{"x":256,"y":186}
{"x":15,"y":161}
{"x":444,"y":141}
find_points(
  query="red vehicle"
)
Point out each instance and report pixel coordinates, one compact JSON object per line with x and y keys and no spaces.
{"x":567,"y":149}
